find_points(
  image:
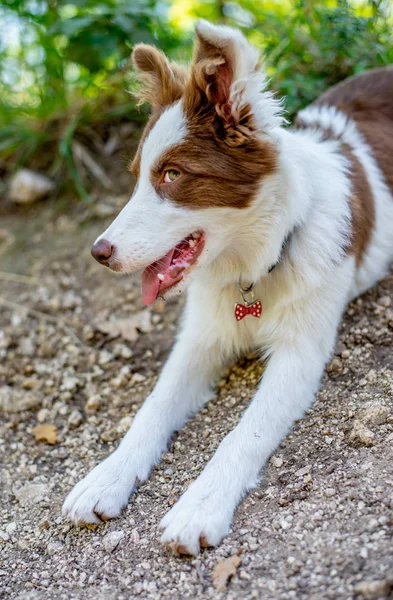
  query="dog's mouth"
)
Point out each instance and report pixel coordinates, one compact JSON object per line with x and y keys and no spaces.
{"x":169,"y":270}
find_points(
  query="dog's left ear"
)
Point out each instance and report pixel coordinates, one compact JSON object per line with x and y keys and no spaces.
{"x":222,"y":57}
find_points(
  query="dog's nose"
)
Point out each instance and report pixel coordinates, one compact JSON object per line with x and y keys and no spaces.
{"x":102,"y":251}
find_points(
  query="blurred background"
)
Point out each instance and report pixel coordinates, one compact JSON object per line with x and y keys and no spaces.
{"x":65,"y":76}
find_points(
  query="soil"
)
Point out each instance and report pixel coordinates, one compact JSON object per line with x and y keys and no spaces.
{"x":319,"y":525}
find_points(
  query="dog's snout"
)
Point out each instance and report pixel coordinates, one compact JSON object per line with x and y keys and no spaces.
{"x":102,"y":251}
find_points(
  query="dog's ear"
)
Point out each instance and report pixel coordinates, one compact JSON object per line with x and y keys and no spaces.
{"x":162,"y":82}
{"x":222,"y":57}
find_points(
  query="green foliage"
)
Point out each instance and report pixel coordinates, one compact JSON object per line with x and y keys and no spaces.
{"x":64,"y":64}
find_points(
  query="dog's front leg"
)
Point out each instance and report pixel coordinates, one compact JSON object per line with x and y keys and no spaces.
{"x":204,"y":513}
{"x":184,"y":386}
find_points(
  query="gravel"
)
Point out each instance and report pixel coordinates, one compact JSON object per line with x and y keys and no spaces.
{"x":319,"y":526}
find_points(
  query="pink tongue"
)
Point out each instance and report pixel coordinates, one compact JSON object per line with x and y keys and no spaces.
{"x":150,"y":281}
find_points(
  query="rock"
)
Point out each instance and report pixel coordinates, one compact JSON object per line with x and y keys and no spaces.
{"x":374,"y":589}
{"x":336,"y":366}
{"x":13,"y":400}
{"x":277,"y":461}
{"x":27,"y":347}
{"x":138,"y":378}
{"x":69,"y":384}
{"x":11,"y":527}
{"x":93,"y":403}
{"x":112,"y":540}
{"x":53,"y":548}
{"x":75,"y":419}
{"x":27,"y":186}
{"x":375,"y":414}
{"x":384,"y":301}
{"x":128,"y":328}
{"x":361,"y":435}
{"x":4,"y":536}
{"x":125,"y":424}
{"x":105,"y":357}
{"x":31,"y":493}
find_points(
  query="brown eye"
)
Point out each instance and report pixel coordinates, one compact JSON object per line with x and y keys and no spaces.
{"x":171,"y":175}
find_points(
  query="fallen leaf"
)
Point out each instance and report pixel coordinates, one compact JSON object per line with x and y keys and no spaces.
{"x":224,"y":570}
{"x":128,"y":328}
{"x":45,"y":433}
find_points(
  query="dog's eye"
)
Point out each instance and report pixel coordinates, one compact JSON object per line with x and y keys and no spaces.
{"x":171,"y":175}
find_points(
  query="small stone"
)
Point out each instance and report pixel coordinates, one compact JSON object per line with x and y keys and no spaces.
{"x":138,"y":378}
{"x":110,"y":435}
{"x":122,"y":351}
{"x":124,"y":424}
{"x":31,"y":493}
{"x":329,"y":492}
{"x":13,"y":400}
{"x":361,"y":435}
{"x":75,"y":419}
{"x":42,"y":415}
{"x":134,"y":537}
{"x":374,"y":413}
{"x":11,"y":527}
{"x":4,"y":536}
{"x":69,"y":384}
{"x":53,"y":548}
{"x":112,"y":540}
{"x":277,"y":461}
{"x":384,"y":301}
{"x":304,"y":471}
{"x":374,"y":589}
{"x":105,"y":357}
{"x":27,"y":186}
{"x":336,"y":366}
{"x":138,"y":587}
{"x":93,"y":403}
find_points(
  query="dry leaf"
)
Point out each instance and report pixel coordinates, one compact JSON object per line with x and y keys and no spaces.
{"x":224,"y":570}
{"x":45,"y":433}
{"x":128,"y":328}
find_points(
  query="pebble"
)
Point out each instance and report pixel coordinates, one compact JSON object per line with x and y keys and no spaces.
{"x":112,"y":540}
{"x":374,"y":589}
{"x":53,"y":548}
{"x":361,"y":435}
{"x":375,"y":414}
{"x":31,"y":493}
{"x":13,"y":400}
{"x":75,"y":419}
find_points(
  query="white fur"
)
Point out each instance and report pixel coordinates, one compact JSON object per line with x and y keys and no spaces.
{"x":303,"y":299}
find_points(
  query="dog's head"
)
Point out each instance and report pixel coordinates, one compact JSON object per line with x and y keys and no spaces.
{"x":203,"y":158}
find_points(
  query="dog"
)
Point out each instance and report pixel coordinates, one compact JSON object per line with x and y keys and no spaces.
{"x":272,"y":230}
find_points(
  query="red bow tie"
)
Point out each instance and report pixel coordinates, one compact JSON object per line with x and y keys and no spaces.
{"x":254,"y":309}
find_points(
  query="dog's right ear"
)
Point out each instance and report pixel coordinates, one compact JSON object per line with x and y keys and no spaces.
{"x":162,"y":82}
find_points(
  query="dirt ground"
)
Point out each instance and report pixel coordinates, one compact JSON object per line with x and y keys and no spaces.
{"x":79,"y":351}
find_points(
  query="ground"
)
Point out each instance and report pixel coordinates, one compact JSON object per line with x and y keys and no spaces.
{"x":79,"y":351}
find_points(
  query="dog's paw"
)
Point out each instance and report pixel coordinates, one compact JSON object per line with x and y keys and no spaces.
{"x":101,"y":495}
{"x":198,"y":520}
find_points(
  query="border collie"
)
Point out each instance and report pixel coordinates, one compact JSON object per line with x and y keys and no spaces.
{"x":271,"y":230}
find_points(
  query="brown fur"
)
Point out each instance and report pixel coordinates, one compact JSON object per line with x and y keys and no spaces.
{"x":368,"y":100}
{"x":361,"y":204}
{"x":222,"y":159}
{"x":162,"y":81}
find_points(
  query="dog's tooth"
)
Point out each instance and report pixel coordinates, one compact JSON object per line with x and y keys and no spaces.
{"x":196,"y":235}
{"x":192,"y":243}
{"x":160,"y":276}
